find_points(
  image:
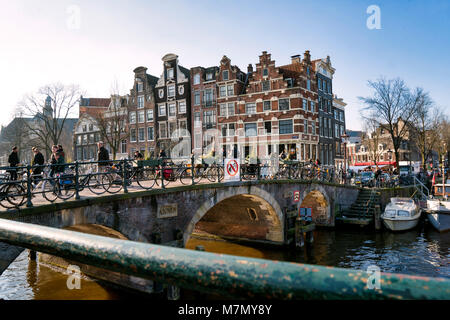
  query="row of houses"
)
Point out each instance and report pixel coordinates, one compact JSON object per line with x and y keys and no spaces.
{"x":263,"y":110}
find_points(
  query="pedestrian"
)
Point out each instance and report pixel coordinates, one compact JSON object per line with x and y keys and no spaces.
{"x":38,"y":160}
{"x":102,"y":156}
{"x":13,"y":161}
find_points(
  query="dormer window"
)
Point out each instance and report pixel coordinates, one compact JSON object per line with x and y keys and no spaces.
{"x":140,"y":86}
{"x":209,"y":76}
{"x":171,"y":91}
{"x":225,"y":75}
{"x":265,"y":72}
{"x":197,"y":78}
{"x":290,"y":82}
{"x":170,"y":73}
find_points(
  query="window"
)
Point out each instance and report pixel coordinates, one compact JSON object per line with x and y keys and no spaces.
{"x":84,"y":128}
{"x":320,"y":84}
{"x":227,"y":130}
{"x":85,"y":139}
{"x":320,"y":104}
{"x":305,"y":129}
{"x":290,"y":82}
{"x":313,"y":106}
{"x":265,"y":72}
{"x":330,"y":128}
{"x":265,"y":85}
{"x":336,"y":114}
{"x":141,"y":116}
{"x":182,"y":125}
{"x":268,"y":127}
{"x":198,"y":141}
{"x":225,"y":75}
{"x":196,"y":98}
{"x":266,"y":105}
{"x":172,"y":110}
{"x":250,"y":108}
{"x":224,"y":130}
{"x":79,"y":140}
{"x":162,"y":110}
{"x":197,"y":78}
{"x":91,"y":127}
{"x":231,"y":129}
{"x":133,"y":135}
{"x":209,"y":119}
{"x":283,"y":104}
{"x":250,"y":129}
{"x":223,"y":109}
{"x":171,"y":91}
{"x":132,"y":117}
{"x":336,"y":130}
{"x":162,"y":130}
{"x":342,"y":115}
{"x":91,"y":138}
{"x":140,"y":102}
{"x":324,"y":83}
{"x":308,"y":84}
{"x":307,"y":71}
{"x":313,"y":127}
{"x":342,"y":130}
{"x":230,"y":108}
{"x":209,"y":76}
{"x":182,"y":107}
{"x":230,"y":90}
{"x":149,"y":115}
{"x":150,"y":134}
{"x":305,"y":105}
{"x":197,"y":121}
{"x":140,"y":86}
{"x":285,"y":126}
{"x":170,"y":73}
{"x":208,"y":97}
{"x":222,"y":91}
{"x":141,"y":133}
{"x":172,"y":129}
{"x":123,"y":146}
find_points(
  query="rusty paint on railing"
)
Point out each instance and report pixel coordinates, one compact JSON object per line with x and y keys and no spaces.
{"x":228,"y":275}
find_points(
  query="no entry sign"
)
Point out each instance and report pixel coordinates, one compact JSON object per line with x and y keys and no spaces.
{"x":296,"y":196}
{"x":232,"y":170}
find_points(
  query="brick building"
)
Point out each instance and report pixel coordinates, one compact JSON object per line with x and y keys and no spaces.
{"x":339,"y":130}
{"x":141,"y":114}
{"x":173,"y":114}
{"x":275,"y":109}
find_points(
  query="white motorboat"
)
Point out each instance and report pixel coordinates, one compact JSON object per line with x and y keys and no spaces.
{"x":401,"y":214}
{"x":438,"y":212}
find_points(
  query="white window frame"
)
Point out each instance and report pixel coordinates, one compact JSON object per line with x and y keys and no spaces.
{"x":179,"y":110}
{"x":289,"y":104}
{"x":148,"y":136}
{"x":139,"y":136}
{"x":224,"y":92}
{"x":174,"y":108}
{"x":140,"y":101}
{"x":173,"y":74}
{"x":160,"y":132}
{"x":130,"y":119}
{"x":169,"y":90}
{"x":225,"y":72}
{"x":164,"y":108}
{"x":150,"y":112}
{"x":139,"y":113}
{"x":246,"y":108}
{"x":197,"y":78}
{"x":131,"y":135}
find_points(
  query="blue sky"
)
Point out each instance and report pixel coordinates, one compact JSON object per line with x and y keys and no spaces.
{"x":114,"y":37}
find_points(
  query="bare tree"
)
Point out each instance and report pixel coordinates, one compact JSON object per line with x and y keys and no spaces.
{"x":392,"y":106}
{"x":16,"y":134}
{"x":371,"y":137}
{"x":50,"y":107}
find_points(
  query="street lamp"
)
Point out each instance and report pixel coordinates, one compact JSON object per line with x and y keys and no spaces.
{"x":390,"y":159}
{"x":344,"y":138}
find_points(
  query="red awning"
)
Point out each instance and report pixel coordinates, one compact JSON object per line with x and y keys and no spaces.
{"x":382,"y":163}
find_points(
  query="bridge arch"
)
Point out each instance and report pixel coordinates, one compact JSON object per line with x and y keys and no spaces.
{"x":316,"y":197}
{"x":265,"y":203}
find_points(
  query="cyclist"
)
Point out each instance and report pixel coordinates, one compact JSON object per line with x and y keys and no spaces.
{"x":102,"y":157}
{"x":38,"y":160}
{"x":13,"y":161}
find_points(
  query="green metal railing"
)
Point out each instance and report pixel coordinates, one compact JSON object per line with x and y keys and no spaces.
{"x":227,"y":275}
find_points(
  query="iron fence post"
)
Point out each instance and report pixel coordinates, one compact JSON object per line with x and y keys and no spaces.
{"x":289,"y":171}
{"x":29,"y":203}
{"x":124,"y":178}
{"x":192,"y":169}
{"x":162,"y":174}
{"x":258,"y":170}
{"x":77,"y":181}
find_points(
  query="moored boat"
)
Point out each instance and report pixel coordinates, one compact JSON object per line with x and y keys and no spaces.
{"x":438,"y":213}
{"x":401,"y":214}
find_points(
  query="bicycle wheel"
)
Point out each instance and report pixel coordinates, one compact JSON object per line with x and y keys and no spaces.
{"x":116,"y":182}
{"x":4,"y":197}
{"x":198,"y":174}
{"x":64,"y":191}
{"x":186,"y":177}
{"x":99,"y":183}
{"x":48,"y":190}
{"x":212,"y":174}
{"x":16,"y":194}
{"x":146,"y":178}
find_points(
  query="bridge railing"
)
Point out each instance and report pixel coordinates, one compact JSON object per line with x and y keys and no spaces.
{"x":24,"y":185}
{"x":227,"y":275}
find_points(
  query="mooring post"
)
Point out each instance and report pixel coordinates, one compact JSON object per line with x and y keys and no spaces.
{"x":29,"y":191}
{"x":77,"y":181}
{"x":32,"y":255}
{"x":299,"y":240}
{"x":377,"y":217}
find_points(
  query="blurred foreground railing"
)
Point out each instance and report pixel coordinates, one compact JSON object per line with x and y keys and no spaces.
{"x":227,"y":275}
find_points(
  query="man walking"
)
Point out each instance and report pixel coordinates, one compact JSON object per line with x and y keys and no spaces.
{"x":13,"y":161}
{"x":102,"y":156}
{"x":38,"y":161}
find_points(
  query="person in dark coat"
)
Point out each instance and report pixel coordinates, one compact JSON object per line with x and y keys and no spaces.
{"x":102,"y":155}
{"x":13,"y":161}
{"x":38,"y":160}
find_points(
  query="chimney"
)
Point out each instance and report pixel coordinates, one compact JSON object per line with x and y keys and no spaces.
{"x":250,"y":68}
{"x":307,"y":57}
{"x":295,"y":59}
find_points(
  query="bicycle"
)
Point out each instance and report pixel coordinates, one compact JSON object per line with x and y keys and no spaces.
{"x":11,"y":191}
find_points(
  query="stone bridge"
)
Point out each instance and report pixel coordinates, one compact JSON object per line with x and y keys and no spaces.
{"x":250,"y":210}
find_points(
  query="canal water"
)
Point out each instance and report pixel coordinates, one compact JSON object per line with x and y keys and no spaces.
{"x":422,"y":251}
